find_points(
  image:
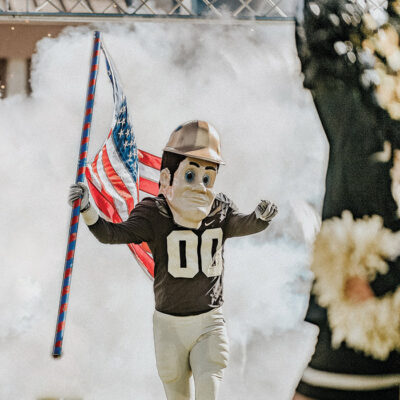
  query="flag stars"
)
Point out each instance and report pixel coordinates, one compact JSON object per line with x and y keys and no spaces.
{"x":131,"y":154}
{"x":129,"y":161}
{"x":121,"y":121}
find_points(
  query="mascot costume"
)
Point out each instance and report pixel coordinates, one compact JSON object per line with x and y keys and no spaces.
{"x":350,"y":58}
{"x":185,"y":227}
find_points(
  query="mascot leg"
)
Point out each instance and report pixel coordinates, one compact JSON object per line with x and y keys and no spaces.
{"x":172,"y":357}
{"x":209,"y":357}
{"x":197,"y":343}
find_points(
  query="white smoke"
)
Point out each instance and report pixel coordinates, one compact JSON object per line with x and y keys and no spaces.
{"x":243,"y":79}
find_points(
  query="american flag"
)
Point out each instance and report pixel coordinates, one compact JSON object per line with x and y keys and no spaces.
{"x":120,"y":174}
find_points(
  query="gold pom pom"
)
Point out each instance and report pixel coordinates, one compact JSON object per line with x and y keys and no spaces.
{"x":347,"y":248}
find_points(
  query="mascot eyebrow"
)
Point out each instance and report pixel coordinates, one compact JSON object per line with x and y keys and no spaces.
{"x":198,"y":166}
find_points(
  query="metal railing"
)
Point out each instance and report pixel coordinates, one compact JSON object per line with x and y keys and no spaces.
{"x":273,"y":10}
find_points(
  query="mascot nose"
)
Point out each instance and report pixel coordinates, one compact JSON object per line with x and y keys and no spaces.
{"x":199,"y":187}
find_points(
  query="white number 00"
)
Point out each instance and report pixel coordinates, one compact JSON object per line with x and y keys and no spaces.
{"x":183,"y":261}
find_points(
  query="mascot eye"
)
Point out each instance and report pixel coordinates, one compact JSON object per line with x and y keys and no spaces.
{"x":189,"y":176}
{"x":206,"y":180}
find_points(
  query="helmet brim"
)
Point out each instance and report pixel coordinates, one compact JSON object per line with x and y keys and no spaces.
{"x":202,"y":154}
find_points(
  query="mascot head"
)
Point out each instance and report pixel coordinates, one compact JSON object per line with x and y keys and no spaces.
{"x":189,"y":167}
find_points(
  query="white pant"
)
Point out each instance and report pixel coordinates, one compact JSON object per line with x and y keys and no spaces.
{"x":183,"y":345}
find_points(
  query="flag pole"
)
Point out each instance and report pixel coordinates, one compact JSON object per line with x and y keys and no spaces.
{"x":80,"y":174}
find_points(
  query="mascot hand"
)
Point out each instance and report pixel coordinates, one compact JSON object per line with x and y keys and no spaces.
{"x":266,"y":210}
{"x":76,"y":191}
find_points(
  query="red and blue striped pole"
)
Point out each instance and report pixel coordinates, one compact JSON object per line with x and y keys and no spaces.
{"x":73,"y":229}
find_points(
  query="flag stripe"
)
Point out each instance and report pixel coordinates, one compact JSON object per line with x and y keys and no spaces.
{"x":143,"y":257}
{"x":103,"y":192}
{"x":148,"y":186}
{"x":145,"y":247}
{"x":101,"y":200}
{"x":117,"y":182}
{"x":123,"y":172}
{"x":149,"y":172}
{"x":149,"y":160}
{"x":118,"y":201}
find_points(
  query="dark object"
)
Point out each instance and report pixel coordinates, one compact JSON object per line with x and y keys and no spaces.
{"x":327,"y":35}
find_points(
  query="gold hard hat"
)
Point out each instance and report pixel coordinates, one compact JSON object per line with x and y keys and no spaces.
{"x":197,"y":139}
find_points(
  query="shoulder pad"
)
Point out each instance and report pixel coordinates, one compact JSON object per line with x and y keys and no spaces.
{"x":224,"y":199}
{"x":221,"y":205}
{"x":162,"y":206}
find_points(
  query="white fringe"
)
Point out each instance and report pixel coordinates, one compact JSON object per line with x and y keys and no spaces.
{"x":345,"y":248}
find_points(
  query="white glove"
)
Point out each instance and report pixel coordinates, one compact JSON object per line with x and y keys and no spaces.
{"x":266,"y":210}
{"x":76,"y":191}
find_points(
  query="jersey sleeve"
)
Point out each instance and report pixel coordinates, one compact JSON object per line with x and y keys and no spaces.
{"x":238,"y":224}
{"x":136,"y":229}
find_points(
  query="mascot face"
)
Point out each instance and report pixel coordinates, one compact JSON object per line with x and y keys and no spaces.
{"x":191,"y":194}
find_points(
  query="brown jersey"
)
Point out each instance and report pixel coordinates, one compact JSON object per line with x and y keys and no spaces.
{"x":188,"y":263}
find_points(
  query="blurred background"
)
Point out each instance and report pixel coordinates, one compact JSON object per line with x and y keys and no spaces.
{"x":233,"y":63}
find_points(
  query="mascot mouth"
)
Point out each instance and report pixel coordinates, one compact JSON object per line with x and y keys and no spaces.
{"x":198,"y":200}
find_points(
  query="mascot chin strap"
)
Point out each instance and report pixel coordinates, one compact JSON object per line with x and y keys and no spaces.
{"x":346,"y":248}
